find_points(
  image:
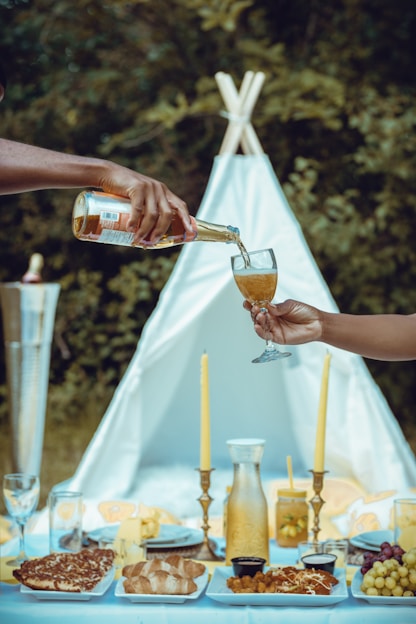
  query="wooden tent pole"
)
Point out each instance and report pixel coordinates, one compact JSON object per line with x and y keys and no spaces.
{"x":240,"y":106}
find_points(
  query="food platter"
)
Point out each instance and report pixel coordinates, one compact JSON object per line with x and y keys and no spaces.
{"x":217,"y":590}
{"x":99,"y":590}
{"x":170,"y":536}
{"x":378,"y":600}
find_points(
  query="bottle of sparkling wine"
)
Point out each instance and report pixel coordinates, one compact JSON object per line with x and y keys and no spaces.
{"x":102,"y":218}
{"x":33,"y":274}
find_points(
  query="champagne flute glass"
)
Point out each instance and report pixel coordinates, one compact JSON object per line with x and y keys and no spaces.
{"x":255,"y":274}
{"x":21,"y":495}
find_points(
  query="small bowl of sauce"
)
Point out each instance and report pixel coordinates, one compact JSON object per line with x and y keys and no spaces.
{"x":247,"y":566}
{"x":320,"y":561}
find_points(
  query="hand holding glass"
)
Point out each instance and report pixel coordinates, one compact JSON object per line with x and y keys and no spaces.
{"x":21,"y":495}
{"x":257,"y":282}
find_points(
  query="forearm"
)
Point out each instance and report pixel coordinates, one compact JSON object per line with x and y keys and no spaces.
{"x":389,"y":337}
{"x":29,"y":168}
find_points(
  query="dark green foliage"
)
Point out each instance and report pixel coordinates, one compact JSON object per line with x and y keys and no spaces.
{"x":134,"y":82}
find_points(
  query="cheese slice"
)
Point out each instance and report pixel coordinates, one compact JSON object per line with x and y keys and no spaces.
{"x":128,"y":543}
{"x":130,"y":529}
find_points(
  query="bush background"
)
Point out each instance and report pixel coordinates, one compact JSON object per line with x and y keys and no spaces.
{"x":134,"y":82}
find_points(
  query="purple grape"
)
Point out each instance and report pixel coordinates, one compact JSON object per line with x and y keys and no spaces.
{"x":387,"y":551}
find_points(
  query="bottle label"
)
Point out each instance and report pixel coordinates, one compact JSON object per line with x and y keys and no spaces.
{"x":106,"y":222}
{"x":116,"y":237}
{"x":114,"y":226}
{"x":110,"y":217}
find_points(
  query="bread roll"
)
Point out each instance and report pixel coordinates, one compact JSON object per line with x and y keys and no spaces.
{"x":187,"y":567}
{"x":143,"y":568}
{"x":159,"y":582}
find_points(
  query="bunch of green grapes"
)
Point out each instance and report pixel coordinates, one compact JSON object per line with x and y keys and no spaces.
{"x":392,"y":578}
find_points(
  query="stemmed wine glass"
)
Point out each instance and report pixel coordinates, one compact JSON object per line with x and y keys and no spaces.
{"x":255,"y":273}
{"x":21,"y":495}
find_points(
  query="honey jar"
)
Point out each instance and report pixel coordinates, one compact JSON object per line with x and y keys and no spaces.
{"x":291,"y":517}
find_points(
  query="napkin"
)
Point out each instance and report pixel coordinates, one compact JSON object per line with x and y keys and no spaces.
{"x":6,"y":571}
{"x":162,"y":515}
{"x":150,"y":521}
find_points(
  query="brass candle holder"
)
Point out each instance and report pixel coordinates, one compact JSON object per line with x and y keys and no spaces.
{"x":317,"y":501}
{"x":206,"y":549}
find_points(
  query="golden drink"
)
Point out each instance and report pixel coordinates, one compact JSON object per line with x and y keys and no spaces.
{"x":258,"y":287}
{"x":247,"y":527}
{"x":247,"y":532}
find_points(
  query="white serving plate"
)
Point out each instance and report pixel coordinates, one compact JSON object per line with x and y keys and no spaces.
{"x":376,"y":538}
{"x":371,"y":540}
{"x":218,"y":590}
{"x":378,"y":600}
{"x":98,"y":590}
{"x":201,"y":582}
{"x":170,"y":536}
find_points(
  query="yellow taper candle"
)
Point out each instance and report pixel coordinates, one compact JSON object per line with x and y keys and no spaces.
{"x":321,"y":427}
{"x":205,"y":456}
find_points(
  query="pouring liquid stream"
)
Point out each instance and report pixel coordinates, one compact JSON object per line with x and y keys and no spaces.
{"x":244,"y":253}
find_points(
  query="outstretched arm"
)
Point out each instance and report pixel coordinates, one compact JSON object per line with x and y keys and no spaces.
{"x":390,"y":337}
{"x":29,"y":168}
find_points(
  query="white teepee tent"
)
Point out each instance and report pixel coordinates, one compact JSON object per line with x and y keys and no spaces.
{"x":147,"y":444}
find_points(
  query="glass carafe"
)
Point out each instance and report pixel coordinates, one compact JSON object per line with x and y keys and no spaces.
{"x":247,"y":518}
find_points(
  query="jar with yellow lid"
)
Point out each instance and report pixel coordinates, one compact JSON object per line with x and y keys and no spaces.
{"x":291,"y":517}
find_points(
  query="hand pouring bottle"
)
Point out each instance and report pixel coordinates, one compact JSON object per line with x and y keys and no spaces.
{"x":102,"y":218}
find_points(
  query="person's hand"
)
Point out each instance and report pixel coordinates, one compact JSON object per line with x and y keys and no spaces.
{"x":290,"y":322}
{"x":153,"y":204}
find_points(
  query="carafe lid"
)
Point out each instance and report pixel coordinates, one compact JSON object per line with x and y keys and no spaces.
{"x":246,"y":450}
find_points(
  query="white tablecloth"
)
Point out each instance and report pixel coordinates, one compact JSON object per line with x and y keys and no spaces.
{"x":107,"y":609}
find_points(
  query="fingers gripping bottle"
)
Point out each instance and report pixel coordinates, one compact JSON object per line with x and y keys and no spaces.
{"x":102,"y":218}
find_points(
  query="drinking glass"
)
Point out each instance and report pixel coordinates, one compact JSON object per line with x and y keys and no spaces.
{"x":255,"y":274}
{"x":21,"y":495}
{"x":65,"y":521}
{"x":338,"y":547}
{"x":405,"y":522}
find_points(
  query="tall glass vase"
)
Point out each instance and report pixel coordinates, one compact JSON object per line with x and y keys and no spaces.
{"x":247,"y":516}
{"x":28,"y":321}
